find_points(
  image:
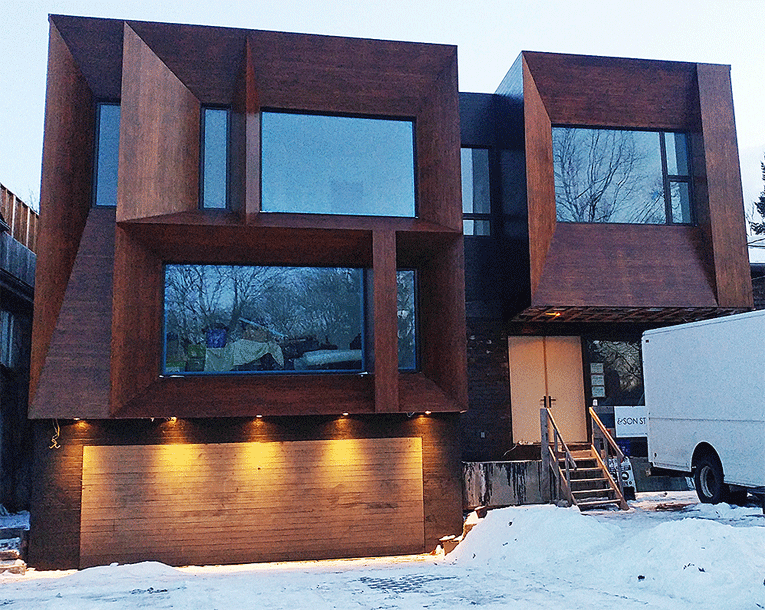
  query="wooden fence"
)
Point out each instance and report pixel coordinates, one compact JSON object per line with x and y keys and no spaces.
{"x":21,"y":219}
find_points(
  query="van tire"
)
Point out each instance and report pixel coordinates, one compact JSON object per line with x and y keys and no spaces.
{"x":708,"y":477}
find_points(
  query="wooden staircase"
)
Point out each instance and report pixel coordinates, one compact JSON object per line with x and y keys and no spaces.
{"x":592,"y":486}
{"x":579,"y":474}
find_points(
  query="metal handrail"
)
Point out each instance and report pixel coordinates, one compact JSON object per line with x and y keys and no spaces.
{"x":600,"y":432}
{"x":551,"y":456}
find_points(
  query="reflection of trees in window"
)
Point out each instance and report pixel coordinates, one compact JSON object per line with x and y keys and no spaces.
{"x":221,"y":318}
{"x":224,"y":317}
{"x":623,"y":369}
{"x":407,"y":327}
{"x":604,"y":175}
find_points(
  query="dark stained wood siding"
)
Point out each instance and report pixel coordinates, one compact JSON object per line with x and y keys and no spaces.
{"x":66,"y":177}
{"x":232,"y":502}
{"x":615,"y":92}
{"x":166,"y":72}
{"x":77,"y":363}
{"x":55,"y":539}
{"x":723,"y":185}
{"x":385,"y":314}
{"x":627,"y":265}
{"x":137,"y":317}
{"x":540,"y":178}
{"x":159,"y":137}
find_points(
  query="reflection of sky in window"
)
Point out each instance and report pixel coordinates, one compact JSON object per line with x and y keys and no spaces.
{"x":475,"y":181}
{"x":677,"y":154}
{"x":215,"y":156}
{"x":108,"y":154}
{"x":337,"y":165}
{"x":606,"y":175}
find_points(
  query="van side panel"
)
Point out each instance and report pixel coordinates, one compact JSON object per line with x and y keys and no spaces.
{"x":705,"y":382}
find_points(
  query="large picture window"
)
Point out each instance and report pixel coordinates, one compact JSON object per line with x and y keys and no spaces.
{"x":237,"y":319}
{"x":621,"y":176}
{"x":318,"y":164}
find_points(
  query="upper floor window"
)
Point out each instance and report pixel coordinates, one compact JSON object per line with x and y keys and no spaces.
{"x":319,"y":164}
{"x":476,"y":195}
{"x":214,"y":158}
{"x":621,"y":176}
{"x":240,"y":318}
{"x":107,"y":154}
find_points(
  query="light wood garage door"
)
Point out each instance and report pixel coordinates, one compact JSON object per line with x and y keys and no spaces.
{"x":244,"y":502}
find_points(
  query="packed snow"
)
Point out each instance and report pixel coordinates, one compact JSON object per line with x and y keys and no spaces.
{"x":666,"y":552}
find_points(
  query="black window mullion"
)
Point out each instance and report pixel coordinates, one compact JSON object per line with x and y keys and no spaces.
{"x":665,"y":180}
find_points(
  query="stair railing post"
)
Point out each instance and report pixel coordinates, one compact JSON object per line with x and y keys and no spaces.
{"x":544,"y":483}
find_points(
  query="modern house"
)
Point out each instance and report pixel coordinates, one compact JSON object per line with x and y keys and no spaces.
{"x":605,"y":199}
{"x":254,"y":293}
{"x":18,"y":231}
{"x":249,"y":326}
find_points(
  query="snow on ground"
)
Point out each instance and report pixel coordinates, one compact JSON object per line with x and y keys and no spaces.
{"x":666,"y":552}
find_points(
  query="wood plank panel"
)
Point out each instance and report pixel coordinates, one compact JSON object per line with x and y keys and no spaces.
{"x":385,"y":321}
{"x":625,"y":266}
{"x":136,"y":319}
{"x":540,"y":177}
{"x":615,"y":92}
{"x":723,"y":188}
{"x":443,"y":342}
{"x":74,"y":381}
{"x":439,"y":189}
{"x":66,"y":177}
{"x":159,"y":137}
{"x":251,"y":501}
{"x":245,"y":140}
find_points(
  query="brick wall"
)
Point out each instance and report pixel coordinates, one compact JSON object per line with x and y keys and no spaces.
{"x":485,"y":428}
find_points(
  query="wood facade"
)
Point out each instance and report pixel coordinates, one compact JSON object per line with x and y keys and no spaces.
{"x":629,"y":265}
{"x":99,"y":338}
{"x":167,"y":72}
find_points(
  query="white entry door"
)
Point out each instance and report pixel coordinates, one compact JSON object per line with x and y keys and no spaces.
{"x":547,"y":366}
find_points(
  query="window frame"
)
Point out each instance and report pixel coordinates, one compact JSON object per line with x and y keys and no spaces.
{"x":667,"y":180}
{"x":366,"y":332}
{"x":399,"y":119}
{"x":202,"y":149}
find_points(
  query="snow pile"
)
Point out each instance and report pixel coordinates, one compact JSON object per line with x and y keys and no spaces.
{"x":522,"y":536}
{"x":667,"y":553}
{"x":698,"y":561}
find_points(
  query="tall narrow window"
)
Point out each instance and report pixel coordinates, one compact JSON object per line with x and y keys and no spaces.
{"x":214,"y":158}
{"x":476,"y":196}
{"x":317,"y":164}
{"x":406,"y":280}
{"x":107,"y":154}
{"x":621,"y":176}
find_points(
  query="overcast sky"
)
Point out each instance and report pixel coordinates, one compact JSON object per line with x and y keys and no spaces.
{"x":489,"y":35}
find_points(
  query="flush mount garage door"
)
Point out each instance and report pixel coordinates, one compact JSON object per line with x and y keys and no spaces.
{"x":244,"y":502}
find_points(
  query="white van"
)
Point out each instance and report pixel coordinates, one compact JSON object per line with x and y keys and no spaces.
{"x":705,"y":395}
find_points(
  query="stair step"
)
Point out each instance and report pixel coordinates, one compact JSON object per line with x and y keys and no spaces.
{"x":581,"y":484}
{"x":592,"y":493}
{"x":6,"y":554}
{"x":585,"y":504}
{"x":582,"y":454}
